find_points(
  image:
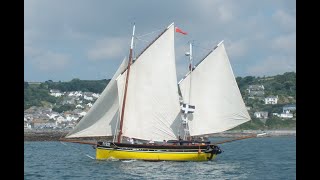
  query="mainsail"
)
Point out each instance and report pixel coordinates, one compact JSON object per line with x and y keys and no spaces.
{"x":152,"y":103}
{"x":101,"y":119}
{"x":214,"y":92}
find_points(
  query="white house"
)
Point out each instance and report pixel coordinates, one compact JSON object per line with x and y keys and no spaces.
{"x":78,"y":93}
{"x":271,"y":100}
{"x":75,"y":93}
{"x":82,"y":113}
{"x":276,"y":114}
{"x":88,"y":98}
{"x":95,"y":95}
{"x":286,"y":115}
{"x":89,"y":104}
{"x":55,"y":93}
{"x":71,"y":117}
{"x":256,"y":90}
{"x":283,"y":115}
{"x":261,"y":114}
{"x":60,"y":119}
{"x":53,"y":115}
{"x":27,"y":125}
{"x":79,"y":106}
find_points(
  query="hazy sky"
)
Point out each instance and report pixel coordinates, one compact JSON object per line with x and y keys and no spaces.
{"x":88,"y":39}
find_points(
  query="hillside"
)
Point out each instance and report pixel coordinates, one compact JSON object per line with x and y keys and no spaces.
{"x":39,"y":95}
{"x":281,"y":86}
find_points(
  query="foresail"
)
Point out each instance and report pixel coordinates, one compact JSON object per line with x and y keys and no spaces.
{"x":218,"y":102}
{"x":152,"y":102}
{"x":102,"y":117}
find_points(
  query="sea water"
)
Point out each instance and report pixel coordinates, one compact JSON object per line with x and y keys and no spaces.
{"x":257,"y":158}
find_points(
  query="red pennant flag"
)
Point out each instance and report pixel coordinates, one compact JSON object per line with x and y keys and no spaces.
{"x":180,"y":31}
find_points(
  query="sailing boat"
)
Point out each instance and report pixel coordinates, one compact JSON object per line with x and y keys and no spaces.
{"x":142,"y":102}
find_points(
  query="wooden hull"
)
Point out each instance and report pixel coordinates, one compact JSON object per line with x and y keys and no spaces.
{"x":154,"y":154}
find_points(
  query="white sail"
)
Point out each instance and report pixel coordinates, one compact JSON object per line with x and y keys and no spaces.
{"x":152,"y":102}
{"x":214,"y":92}
{"x":101,"y":119}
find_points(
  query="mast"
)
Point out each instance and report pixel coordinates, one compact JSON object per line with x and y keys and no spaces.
{"x":190,"y":69}
{"x":216,"y":94}
{"x":186,"y":115}
{"x":126,"y":86}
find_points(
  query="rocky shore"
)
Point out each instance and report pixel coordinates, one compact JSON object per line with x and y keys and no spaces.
{"x":55,"y":135}
{"x":236,"y":134}
{"x":44,"y":135}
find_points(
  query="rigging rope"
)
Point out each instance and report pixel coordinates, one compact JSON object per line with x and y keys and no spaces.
{"x":142,"y":40}
{"x":202,"y":47}
{"x":149,"y":33}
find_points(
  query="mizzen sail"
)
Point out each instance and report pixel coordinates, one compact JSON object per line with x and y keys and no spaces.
{"x":218,"y":102}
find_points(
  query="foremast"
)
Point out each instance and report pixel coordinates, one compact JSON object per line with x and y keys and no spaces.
{"x":126,"y":86}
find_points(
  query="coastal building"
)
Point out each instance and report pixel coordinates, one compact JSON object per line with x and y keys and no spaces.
{"x":55,"y":93}
{"x":75,"y":94}
{"x":286,"y":115}
{"x":79,"y":106}
{"x":60,"y":119}
{"x":95,"y":95}
{"x":27,"y":125}
{"x":255,"y":90}
{"x":261,"y":115}
{"x":69,"y":100}
{"x":82,"y":114}
{"x":271,"y":100}
{"x":283,"y":115}
{"x":89,"y":98}
{"x":42,"y":124}
{"x":276,"y":114}
{"x":53,"y":115}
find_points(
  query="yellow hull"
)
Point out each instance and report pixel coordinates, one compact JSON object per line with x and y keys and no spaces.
{"x":102,"y":154}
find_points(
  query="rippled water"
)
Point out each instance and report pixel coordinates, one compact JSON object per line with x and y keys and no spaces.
{"x":259,"y":158}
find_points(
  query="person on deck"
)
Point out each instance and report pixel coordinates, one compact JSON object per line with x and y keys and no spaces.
{"x":131,"y":140}
{"x":180,"y":141}
{"x":202,"y":141}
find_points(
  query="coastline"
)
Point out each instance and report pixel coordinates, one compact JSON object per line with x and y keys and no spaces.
{"x":44,"y":135}
{"x":55,"y":135}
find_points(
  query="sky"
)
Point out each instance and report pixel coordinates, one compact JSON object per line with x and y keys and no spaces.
{"x":88,"y":39}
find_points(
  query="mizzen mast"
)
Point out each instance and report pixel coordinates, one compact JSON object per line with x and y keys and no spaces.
{"x":126,"y":86}
{"x":186,"y":107}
